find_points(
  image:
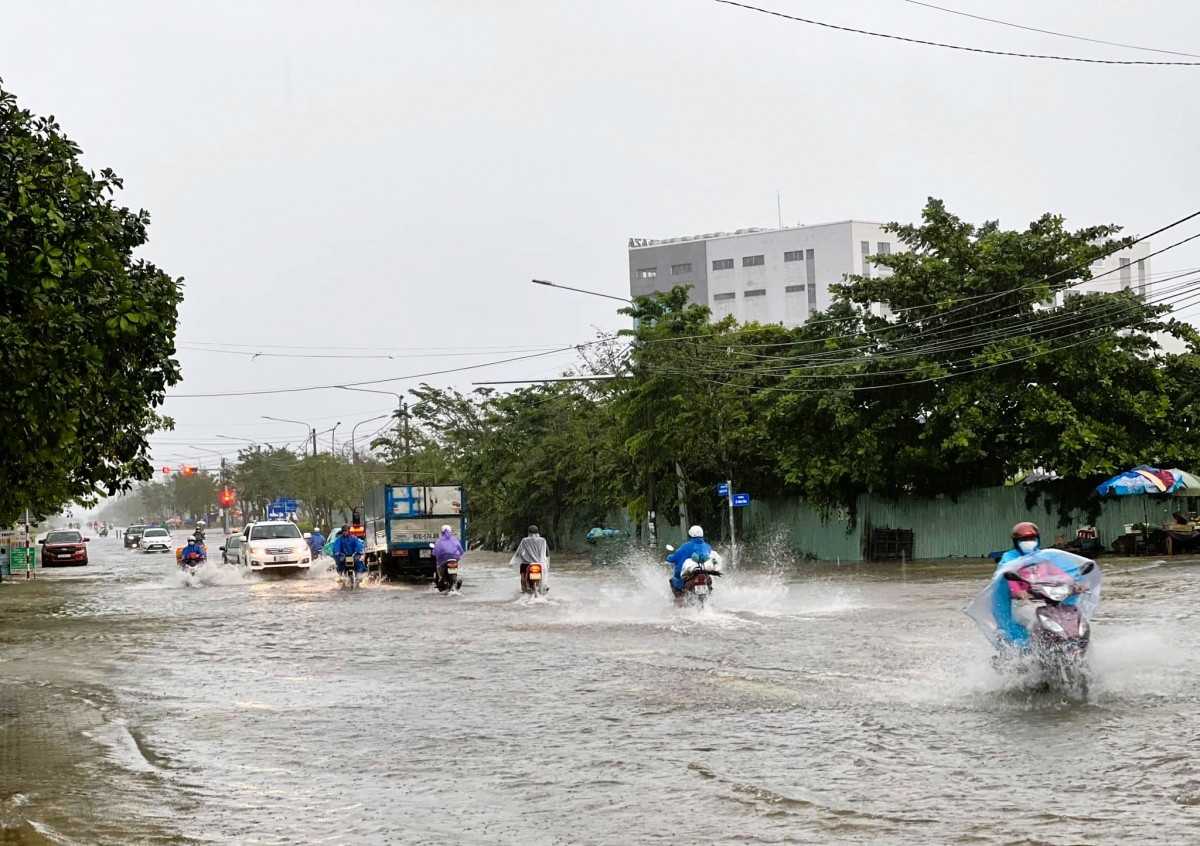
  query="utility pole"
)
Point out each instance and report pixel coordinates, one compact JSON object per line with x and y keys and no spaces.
{"x":407,"y":444}
{"x":732,"y":539}
{"x":224,"y":483}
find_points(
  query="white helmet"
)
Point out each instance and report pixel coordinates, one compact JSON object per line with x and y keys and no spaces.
{"x":695,"y":532}
{"x":446,"y":528}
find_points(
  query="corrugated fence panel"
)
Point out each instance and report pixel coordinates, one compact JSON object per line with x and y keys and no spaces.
{"x":975,"y":524}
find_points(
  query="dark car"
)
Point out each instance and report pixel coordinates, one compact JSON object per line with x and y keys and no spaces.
{"x":66,"y":548}
{"x":132,"y":535}
{"x":232,"y":549}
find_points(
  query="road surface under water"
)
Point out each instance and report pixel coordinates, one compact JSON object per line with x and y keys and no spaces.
{"x":806,"y":705}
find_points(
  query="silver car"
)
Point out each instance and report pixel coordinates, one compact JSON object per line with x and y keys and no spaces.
{"x":155,"y":540}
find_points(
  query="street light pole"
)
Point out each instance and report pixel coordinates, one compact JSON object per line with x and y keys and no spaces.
{"x":354,"y":435}
{"x":549,"y":284}
{"x":311,"y":430}
{"x":333,"y":439}
{"x":401,"y":415}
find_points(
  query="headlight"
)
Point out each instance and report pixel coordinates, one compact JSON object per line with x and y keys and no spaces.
{"x":299,"y":550}
{"x":1052,"y":625}
{"x":1055,"y":593}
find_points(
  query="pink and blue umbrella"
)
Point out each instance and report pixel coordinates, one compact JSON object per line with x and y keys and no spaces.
{"x":1141,"y":480}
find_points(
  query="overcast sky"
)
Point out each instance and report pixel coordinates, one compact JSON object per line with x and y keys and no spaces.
{"x":384,"y":175}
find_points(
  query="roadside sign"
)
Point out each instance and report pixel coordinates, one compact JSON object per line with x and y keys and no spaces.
{"x":741,"y":499}
{"x":722,"y":489}
{"x":21,"y":559}
{"x":274,"y":514}
{"x":287,"y":506}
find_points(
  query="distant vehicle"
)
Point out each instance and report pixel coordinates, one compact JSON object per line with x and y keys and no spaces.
{"x":155,"y":540}
{"x":232,"y":549}
{"x":132,"y":535}
{"x":275,"y":545}
{"x":64,"y":548}
{"x":401,"y":521}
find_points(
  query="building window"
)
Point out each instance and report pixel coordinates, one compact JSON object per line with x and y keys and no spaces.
{"x":866,"y":254}
{"x":1126,"y":281}
{"x":1142,"y":277}
{"x":812,"y":300}
{"x":795,"y":304}
{"x":761,"y":292}
{"x":724,"y":305}
{"x":753,"y":261}
{"x":884,"y":248}
{"x":794,"y":255}
{"x":647,"y":273}
{"x":723,"y":297}
{"x":680,"y":269}
{"x":723,"y":264}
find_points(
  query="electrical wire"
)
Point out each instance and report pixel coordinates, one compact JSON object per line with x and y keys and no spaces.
{"x":953,"y":46}
{"x":1051,"y":32}
{"x":254,"y":355}
{"x":306,"y":388}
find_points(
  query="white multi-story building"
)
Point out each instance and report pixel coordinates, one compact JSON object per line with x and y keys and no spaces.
{"x":783,"y":275}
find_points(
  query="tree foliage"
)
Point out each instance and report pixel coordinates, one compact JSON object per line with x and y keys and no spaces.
{"x":86,"y":329}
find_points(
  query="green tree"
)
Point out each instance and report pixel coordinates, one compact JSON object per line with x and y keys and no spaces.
{"x":972,"y":374}
{"x":86,"y":330}
{"x":261,"y":475}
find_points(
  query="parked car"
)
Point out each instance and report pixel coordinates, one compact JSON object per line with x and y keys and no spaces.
{"x":64,"y":548}
{"x":232,"y":549}
{"x":155,"y":540}
{"x":274,"y":545}
{"x":132,"y":534}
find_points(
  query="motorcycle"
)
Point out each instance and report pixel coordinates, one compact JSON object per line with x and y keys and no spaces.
{"x":191,"y":564}
{"x":1050,"y":595}
{"x":102,"y":531}
{"x":445,"y":577}
{"x":532,"y":582}
{"x":351,"y":578}
{"x":697,"y":578}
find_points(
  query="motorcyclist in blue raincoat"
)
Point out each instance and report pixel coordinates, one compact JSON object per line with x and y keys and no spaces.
{"x":192,"y":554}
{"x":1026,"y":540}
{"x":316,"y":543}
{"x":695,"y":546}
{"x":348,"y":546}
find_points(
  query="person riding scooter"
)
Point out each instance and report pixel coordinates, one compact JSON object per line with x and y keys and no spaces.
{"x":533,"y":549}
{"x":695,"y":546}
{"x":316,"y":543}
{"x":348,"y":546}
{"x":192,"y":555}
{"x":200,"y":524}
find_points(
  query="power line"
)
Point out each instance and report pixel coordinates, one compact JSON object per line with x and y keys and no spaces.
{"x":1050,"y":31}
{"x":372,"y":381}
{"x":951,"y":46}
{"x":254,"y":355}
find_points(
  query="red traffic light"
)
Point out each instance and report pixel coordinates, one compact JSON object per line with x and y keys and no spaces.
{"x":357,"y":531}
{"x":188,"y":470}
{"x":166,"y":471}
{"x":226,"y":498}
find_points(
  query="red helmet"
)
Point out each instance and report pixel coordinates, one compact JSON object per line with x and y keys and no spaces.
{"x":1025,"y":530}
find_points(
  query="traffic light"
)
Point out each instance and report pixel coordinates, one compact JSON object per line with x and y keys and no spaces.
{"x":188,"y":470}
{"x":166,"y":471}
{"x":356,"y":527}
{"x":226,"y":498}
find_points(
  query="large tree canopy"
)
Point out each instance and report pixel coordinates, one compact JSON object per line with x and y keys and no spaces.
{"x":86,"y":330}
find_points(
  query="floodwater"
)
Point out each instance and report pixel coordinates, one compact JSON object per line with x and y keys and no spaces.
{"x":808,"y":704}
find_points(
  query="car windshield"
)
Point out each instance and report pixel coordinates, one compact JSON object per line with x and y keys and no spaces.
{"x":156,"y":533}
{"x":64,"y":537}
{"x":234,"y":543}
{"x":274,"y":531}
{"x":135,"y":530}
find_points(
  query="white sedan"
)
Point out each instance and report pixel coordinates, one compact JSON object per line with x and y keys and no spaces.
{"x":155,"y":540}
{"x":274,"y":545}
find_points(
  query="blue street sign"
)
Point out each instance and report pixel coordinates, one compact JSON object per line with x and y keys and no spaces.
{"x":722,"y":489}
{"x":741,"y":499}
{"x":272,"y":514}
{"x":286,"y":506}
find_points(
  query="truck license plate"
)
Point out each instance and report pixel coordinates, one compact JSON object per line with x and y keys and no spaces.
{"x":425,"y":553}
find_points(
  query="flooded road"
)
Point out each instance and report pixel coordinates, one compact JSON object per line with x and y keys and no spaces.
{"x":806,"y":705}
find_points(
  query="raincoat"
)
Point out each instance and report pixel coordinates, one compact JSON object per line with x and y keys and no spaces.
{"x":684,"y":554}
{"x":316,"y":543}
{"x":348,"y":546}
{"x":992,"y":608}
{"x":192,"y":549}
{"x":533,"y":550}
{"x":447,"y":548}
